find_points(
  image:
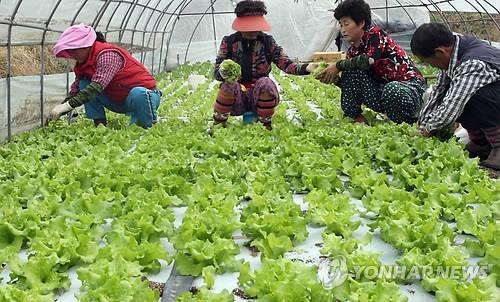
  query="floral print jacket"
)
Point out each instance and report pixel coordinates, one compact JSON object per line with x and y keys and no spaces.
{"x":391,"y":62}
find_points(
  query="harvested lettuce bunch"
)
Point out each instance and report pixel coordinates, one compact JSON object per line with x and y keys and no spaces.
{"x":231,"y":69}
{"x":322,"y":66}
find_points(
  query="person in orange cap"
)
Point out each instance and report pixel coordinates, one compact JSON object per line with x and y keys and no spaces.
{"x":254,"y":51}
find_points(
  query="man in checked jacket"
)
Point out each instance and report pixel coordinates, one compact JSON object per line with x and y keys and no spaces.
{"x":467,"y":90}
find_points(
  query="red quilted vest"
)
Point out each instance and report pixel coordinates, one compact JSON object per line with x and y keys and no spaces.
{"x":133,"y":74}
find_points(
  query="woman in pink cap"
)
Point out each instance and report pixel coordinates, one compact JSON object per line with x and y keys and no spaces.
{"x":107,"y":76}
{"x":254,"y":51}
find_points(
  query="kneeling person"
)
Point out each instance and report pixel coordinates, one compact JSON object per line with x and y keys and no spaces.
{"x":254,"y":51}
{"x":107,"y":76}
{"x":377,"y":72}
{"x":467,"y":89}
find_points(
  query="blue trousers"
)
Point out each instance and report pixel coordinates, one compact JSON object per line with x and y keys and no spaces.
{"x":141,"y":105}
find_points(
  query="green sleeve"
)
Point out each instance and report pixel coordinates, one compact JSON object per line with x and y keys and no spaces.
{"x":360,"y":62}
{"x":86,"y":94}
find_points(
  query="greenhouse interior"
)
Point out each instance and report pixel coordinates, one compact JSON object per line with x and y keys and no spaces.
{"x":138,"y":161}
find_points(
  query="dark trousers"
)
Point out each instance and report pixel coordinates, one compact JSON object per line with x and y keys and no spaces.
{"x":400,"y":101}
{"x":483,"y":108}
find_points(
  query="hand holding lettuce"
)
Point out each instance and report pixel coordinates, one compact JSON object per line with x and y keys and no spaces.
{"x":230,"y":71}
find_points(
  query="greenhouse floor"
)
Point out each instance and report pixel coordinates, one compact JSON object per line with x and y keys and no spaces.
{"x":307,"y":252}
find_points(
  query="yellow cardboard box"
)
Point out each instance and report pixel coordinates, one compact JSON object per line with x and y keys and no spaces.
{"x":331,"y":56}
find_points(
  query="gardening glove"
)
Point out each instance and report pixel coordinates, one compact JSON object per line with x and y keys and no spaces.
{"x":361,"y":62}
{"x":59,"y":110}
{"x":311,"y":67}
{"x":86,"y":94}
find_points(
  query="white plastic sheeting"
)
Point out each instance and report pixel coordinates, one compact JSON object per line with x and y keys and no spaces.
{"x":491,"y":6}
{"x":25,"y":104}
{"x":107,"y":15}
{"x":301,"y":27}
{"x":188,"y":30}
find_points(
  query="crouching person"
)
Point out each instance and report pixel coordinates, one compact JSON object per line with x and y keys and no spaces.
{"x":377,"y":73}
{"x":254,"y":93}
{"x":467,"y":89}
{"x":107,"y":76}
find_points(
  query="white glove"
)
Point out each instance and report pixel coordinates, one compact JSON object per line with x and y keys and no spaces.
{"x":59,"y":110}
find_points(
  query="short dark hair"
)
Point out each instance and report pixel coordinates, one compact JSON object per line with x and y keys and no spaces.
{"x":430,"y":36}
{"x":100,"y":36}
{"x":250,"y":8}
{"x":358,"y":10}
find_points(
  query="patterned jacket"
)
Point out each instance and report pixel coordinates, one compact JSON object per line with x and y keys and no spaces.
{"x":473,"y":65}
{"x":391,"y":62}
{"x":253,"y":55}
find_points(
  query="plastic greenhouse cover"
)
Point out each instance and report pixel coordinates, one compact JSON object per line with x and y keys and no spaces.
{"x":297,"y":24}
{"x":25,"y":95}
{"x":466,"y":6}
{"x":301,"y":27}
{"x":114,"y":16}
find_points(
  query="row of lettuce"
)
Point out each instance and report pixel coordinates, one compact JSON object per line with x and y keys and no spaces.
{"x":100,"y":200}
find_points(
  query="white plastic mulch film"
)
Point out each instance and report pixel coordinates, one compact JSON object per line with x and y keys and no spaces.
{"x":165,"y":33}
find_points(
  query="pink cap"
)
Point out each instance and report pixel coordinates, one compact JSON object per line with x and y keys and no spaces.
{"x":76,"y":36}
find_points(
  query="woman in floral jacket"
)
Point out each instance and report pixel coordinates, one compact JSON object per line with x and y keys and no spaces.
{"x":377,"y":72}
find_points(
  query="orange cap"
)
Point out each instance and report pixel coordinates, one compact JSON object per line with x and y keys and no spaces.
{"x":251,"y":23}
